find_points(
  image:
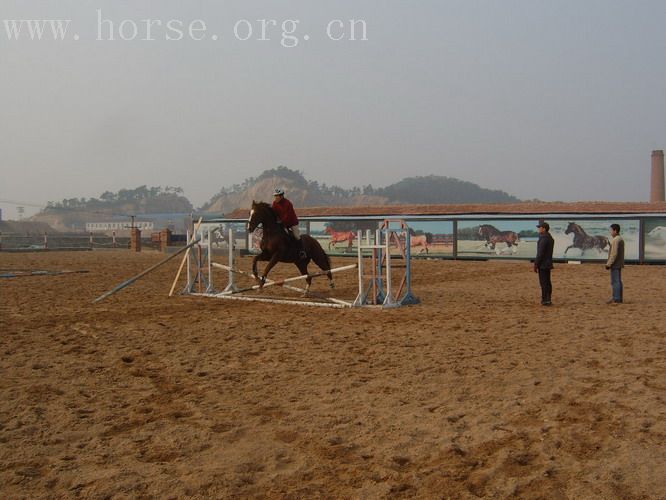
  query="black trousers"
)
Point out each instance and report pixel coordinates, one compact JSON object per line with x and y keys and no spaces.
{"x":546,"y":285}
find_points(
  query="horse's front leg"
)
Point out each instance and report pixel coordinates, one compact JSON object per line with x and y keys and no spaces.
{"x":567,"y":249}
{"x":271,"y":264}
{"x":257,"y":258}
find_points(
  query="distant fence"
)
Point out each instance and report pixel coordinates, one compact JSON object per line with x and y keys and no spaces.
{"x":35,"y":242}
{"x":28,"y":242}
{"x":578,"y":236}
{"x":475,"y":236}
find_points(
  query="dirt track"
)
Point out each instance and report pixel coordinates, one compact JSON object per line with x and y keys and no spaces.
{"x":478,"y":392}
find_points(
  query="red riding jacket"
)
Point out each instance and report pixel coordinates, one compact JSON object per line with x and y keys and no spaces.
{"x":285,"y":212}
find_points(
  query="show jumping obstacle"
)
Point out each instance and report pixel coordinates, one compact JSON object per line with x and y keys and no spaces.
{"x":376,"y":282}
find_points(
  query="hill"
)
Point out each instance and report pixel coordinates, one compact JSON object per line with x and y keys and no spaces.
{"x":303,"y":193}
{"x":73,"y":213}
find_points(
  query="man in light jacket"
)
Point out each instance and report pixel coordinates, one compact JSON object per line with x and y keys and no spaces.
{"x":615,"y":263}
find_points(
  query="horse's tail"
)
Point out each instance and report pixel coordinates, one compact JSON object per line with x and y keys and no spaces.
{"x":326,"y":260}
{"x":318,"y":254}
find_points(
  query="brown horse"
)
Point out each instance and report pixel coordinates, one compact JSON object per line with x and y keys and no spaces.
{"x":340,"y":237}
{"x":493,"y":236}
{"x":584,"y":241}
{"x":278,"y":246}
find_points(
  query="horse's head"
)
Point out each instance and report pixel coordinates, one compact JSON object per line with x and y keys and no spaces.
{"x":658,"y":232}
{"x":328,"y":230}
{"x":258,"y":214}
{"x":571,"y":228}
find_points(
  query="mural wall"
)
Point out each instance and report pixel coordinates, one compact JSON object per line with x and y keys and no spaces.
{"x":655,"y":239}
{"x":497,"y":238}
{"x":575,"y":239}
{"x":340,"y":237}
{"x":589,"y":239}
{"x":431,"y":238}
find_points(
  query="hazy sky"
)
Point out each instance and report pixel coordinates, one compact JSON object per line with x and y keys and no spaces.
{"x":558,"y":100}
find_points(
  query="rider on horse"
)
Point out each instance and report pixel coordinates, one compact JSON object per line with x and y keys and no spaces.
{"x":285,"y":212}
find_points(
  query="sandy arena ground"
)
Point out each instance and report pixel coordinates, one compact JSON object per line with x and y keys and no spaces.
{"x":478,"y":392}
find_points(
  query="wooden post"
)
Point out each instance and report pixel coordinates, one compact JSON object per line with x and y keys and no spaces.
{"x":182,"y":263}
{"x":135,"y":236}
{"x":165,"y":239}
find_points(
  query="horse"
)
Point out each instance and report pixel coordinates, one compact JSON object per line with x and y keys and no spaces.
{"x":339,"y":237}
{"x":278,"y":246}
{"x":584,"y":241}
{"x":218,"y":237}
{"x":493,"y":236}
{"x":658,"y":235}
{"x":423,"y":240}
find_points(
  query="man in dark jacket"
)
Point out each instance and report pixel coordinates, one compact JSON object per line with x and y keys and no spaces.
{"x":543,"y":263}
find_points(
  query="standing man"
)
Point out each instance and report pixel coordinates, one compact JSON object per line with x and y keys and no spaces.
{"x":287,"y":215}
{"x":543,"y":263}
{"x":615,"y":263}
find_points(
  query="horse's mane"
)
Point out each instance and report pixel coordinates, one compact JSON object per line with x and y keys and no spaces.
{"x":262,"y":205}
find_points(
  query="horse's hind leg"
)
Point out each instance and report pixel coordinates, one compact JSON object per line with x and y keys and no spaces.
{"x":323,"y":264}
{"x":303,"y":269}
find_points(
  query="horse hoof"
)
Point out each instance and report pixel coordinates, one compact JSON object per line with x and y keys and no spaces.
{"x":331,"y":285}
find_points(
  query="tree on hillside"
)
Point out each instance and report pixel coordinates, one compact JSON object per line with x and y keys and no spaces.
{"x":153,"y":199}
{"x":432,"y":189}
{"x":286,"y":173}
{"x":435,"y":189}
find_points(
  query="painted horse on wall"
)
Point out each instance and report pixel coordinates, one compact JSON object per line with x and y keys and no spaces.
{"x":278,"y":246}
{"x":584,"y":241}
{"x":340,"y":237}
{"x":493,"y":236}
{"x":420,"y":240}
{"x":657,"y":235}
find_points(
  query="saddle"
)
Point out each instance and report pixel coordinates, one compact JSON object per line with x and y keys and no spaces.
{"x":297,"y":244}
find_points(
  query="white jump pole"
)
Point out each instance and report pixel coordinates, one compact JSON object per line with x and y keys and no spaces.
{"x":210,"y":288}
{"x":282,"y":301}
{"x":389,"y":299}
{"x":283,"y":281}
{"x":189,"y":270}
{"x":283,"y":285}
{"x":231,"y":284}
{"x":360,"y":268}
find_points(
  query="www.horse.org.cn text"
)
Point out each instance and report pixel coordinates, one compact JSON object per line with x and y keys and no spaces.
{"x":288,"y":33}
